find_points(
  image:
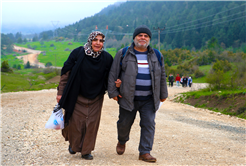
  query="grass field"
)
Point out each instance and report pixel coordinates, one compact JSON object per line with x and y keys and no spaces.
{"x":58,"y":53}
{"x":26,"y":80}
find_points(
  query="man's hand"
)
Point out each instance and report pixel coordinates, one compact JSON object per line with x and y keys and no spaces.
{"x":162,"y":100}
{"x":116,"y":97}
{"x":118,"y":83}
{"x":58,"y":98}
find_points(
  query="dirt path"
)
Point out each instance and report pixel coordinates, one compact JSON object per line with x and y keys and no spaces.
{"x":32,"y":57}
{"x":184,"y":135}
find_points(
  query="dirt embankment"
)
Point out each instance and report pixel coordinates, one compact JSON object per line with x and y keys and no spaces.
{"x":32,"y":56}
{"x":185,"y":135}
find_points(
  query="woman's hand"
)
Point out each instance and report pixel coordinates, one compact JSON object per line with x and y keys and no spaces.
{"x":58,"y":98}
{"x":116,"y":97}
{"x":162,"y":100}
{"x":118,"y":83}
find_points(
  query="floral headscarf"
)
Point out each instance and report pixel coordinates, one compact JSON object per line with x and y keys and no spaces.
{"x":88,"y":49}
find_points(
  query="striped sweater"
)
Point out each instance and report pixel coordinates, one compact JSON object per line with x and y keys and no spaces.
{"x":143,"y":89}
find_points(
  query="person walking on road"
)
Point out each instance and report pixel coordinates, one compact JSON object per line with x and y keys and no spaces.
{"x":83,"y":82}
{"x":185,"y":79}
{"x":177,"y":79}
{"x":170,"y":80}
{"x":143,"y":87}
{"x":189,"y":81}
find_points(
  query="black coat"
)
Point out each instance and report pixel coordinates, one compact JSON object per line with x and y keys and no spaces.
{"x":71,"y":90}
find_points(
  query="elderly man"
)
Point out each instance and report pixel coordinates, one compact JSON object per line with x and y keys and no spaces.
{"x":143,"y":86}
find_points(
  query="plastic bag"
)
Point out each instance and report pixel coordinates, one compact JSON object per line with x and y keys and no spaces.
{"x":56,"y":119}
{"x":160,"y":105}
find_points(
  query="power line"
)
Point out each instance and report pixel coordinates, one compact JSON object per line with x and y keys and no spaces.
{"x":206,"y":25}
{"x":211,"y":20}
{"x":206,"y":17}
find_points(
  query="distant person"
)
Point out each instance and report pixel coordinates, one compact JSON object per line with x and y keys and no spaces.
{"x":177,"y":79}
{"x":181,"y":81}
{"x":142,"y":89}
{"x":170,"y":80}
{"x":83,"y":82}
{"x":185,"y":79}
{"x":189,"y":81}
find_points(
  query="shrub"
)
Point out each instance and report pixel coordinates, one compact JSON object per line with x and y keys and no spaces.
{"x":215,"y":78}
{"x":241,"y":110}
{"x":198,"y":73}
{"x":5,"y":67}
{"x":27,"y":66}
{"x":48,"y":64}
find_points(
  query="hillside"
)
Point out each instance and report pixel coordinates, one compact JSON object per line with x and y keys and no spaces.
{"x":188,"y":24}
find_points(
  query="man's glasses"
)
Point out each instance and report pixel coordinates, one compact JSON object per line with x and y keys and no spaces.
{"x":100,"y":40}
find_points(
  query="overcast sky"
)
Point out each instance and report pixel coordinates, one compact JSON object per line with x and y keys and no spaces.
{"x":49,"y":12}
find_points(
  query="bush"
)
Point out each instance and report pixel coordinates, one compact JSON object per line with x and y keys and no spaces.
{"x":27,"y":66}
{"x":241,"y":110}
{"x":48,"y":64}
{"x":5,"y":67}
{"x":52,"y":45}
{"x":198,"y":73}
{"x":215,"y":78}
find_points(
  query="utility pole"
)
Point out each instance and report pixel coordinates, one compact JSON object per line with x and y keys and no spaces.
{"x":159,"y":34}
{"x":54,"y":23}
{"x":106,"y":36}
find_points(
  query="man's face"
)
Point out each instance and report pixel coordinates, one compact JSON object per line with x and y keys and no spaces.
{"x":142,"y":40}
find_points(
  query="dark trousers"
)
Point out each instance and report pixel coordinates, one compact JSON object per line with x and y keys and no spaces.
{"x":147,"y":124}
{"x":171,"y":83}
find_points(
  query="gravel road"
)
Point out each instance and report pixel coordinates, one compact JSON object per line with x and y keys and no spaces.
{"x":184,"y":135}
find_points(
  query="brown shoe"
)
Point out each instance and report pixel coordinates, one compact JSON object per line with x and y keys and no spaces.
{"x":120,"y":149}
{"x":147,"y":157}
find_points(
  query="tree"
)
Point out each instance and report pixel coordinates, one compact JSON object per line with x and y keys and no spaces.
{"x":35,"y":38}
{"x":19,"y":40}
{"x":18,"y":66}
{"x":18,"y":35}
{"x":213,"y":43}
{"x":48,"y":64}
{"x":211,"y":57}
{"x":27,"y":66}
{"x":25,"y":40}
{"x":45,"y":36}
{"x":5,"y":67}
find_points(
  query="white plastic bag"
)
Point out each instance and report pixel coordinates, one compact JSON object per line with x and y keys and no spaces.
{"x":56,"y":119}
{"x":160,"y":105}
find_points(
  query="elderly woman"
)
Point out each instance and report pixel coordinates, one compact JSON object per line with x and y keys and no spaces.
{"x":81,"y":90}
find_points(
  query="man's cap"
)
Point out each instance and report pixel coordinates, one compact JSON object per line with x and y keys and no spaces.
{"x":142,"y":29}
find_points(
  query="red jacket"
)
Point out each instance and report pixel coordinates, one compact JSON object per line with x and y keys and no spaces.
{"x":177,"y":78}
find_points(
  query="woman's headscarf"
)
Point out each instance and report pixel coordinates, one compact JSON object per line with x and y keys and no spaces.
{"x":88,"y":49}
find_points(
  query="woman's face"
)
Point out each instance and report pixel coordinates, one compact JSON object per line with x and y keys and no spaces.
{"x":97,"y":43}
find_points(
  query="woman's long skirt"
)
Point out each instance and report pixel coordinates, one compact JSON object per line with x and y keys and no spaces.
{"x":83,"y":124}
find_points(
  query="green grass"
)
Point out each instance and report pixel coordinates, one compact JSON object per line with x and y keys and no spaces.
{"x":112,"y":51}
{"x":57,"y":54}
{"x":205,"y":68}
{"x":12,"y":60}
{"x":26,"y":80}
{"x":207,"y":92}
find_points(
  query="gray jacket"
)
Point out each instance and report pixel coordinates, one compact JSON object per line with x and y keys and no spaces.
{"x":128,"y":71}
